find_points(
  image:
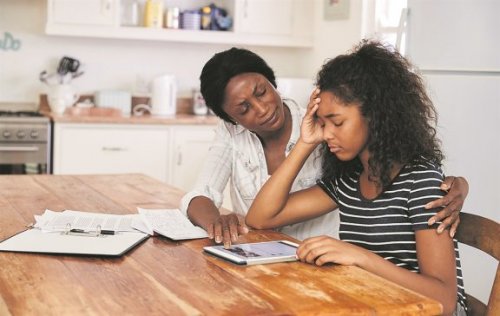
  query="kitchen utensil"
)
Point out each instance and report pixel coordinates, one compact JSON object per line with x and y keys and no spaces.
{"x":52,"y":79}
{"x":163,"y":98}
{"x":68,"y":64}
{"x":77,"y":74}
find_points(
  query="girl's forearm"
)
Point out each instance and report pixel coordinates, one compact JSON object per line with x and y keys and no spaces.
{"x":424,"y":284}
{"x":272,"y":197}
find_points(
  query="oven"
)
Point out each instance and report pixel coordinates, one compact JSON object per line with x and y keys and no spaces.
{"x":25,"y":138}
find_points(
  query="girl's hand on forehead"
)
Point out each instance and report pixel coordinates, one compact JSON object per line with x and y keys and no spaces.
{"x":311,"y":130}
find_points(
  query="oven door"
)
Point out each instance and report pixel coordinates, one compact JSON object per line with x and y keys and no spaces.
{"x":24,"y":158}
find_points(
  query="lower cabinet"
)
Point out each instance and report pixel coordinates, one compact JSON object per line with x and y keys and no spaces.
{"x":170,"y":153}
{"x":190,"y":145}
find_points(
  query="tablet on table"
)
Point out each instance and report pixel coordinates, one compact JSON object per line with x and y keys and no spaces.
{"x":257,"y":253}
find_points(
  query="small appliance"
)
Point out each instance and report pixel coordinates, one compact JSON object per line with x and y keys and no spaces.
{"x":163,"y":95}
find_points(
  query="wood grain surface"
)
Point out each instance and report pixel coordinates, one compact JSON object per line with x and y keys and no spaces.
{"x":163,"y":277}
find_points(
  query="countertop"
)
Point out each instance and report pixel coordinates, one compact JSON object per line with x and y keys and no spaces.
{"x":182,"y":119}
{"x":98,"y":115}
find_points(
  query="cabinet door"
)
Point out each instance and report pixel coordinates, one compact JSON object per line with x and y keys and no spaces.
{"x":190,"y":145}
{"x":264,"y":16}
{"x":108,"y":149}
{"x":84,"y":12}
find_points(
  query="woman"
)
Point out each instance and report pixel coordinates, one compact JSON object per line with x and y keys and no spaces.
{"x":257,"y":132}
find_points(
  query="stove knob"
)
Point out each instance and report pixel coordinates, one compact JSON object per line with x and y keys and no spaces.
{"x":34,"y":134}
{"x":6,"y":134}
{"x":21,"y":134}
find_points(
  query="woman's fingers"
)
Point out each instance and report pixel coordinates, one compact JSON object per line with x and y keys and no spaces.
{"x":226,"y":229}
{"x":452,"y":204}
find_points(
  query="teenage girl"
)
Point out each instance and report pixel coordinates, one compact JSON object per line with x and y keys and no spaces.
{"x":381,"y":166}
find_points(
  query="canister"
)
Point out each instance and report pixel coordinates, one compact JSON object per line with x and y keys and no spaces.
{"x":172,"y":16}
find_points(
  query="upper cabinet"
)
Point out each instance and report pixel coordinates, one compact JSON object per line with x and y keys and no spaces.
{"x":279,"y":23}
{"x":84,"y":12}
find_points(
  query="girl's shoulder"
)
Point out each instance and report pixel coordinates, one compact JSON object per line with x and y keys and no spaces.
{"x":422,"y":167}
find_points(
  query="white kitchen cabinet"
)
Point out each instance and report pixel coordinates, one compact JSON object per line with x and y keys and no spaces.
{"x":90,"y":13}
{"x":264,"y":16}
{"x":279,"y":23}
{"x":189,"y":146}
{"x":173,"y":154}
{"x":111,"y":148}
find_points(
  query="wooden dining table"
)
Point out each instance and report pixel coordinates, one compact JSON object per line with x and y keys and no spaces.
{"x":165,"y":277}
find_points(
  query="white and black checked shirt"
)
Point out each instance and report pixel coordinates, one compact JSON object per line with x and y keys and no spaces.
{"x":237,"y":155}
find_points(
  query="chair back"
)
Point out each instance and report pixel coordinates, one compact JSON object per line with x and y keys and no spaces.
{"x":483,"y":234}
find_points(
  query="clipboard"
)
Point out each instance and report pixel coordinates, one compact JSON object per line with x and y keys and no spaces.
{"x":36,"y":241}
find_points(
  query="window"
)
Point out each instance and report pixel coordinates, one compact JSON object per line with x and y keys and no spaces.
{"x":381,"y":20}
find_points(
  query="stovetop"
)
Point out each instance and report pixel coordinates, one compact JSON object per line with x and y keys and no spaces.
{"x":20,"y":114}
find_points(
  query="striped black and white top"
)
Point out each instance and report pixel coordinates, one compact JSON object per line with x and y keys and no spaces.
{"x":386,"y":225}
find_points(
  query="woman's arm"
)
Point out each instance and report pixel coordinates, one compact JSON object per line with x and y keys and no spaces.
{"x":436,"y":259}
{"x":457,"y":188}
{"x":201,"y":204}
{"x":222,"y":228}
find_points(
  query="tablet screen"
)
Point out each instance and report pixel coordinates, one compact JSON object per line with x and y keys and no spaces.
{"x":256,"y":252}
{"x":265,"y":249}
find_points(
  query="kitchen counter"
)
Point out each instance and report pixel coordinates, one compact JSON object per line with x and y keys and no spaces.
{"x":97,"y":115}
{"x":178,"y":119}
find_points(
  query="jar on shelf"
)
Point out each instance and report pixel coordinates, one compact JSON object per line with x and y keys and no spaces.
{"x":172,"y":16}
{"x":129,"y":13}
{"x":191,"y":20}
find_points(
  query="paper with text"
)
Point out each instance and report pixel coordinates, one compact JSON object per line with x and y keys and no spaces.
{"x":58,"y":221}
{"x":170,"y":223}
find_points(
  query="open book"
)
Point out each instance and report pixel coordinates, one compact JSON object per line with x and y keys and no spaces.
{"x":170,"y":223}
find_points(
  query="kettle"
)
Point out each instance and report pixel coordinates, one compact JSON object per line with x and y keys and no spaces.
{"x":164,"y":95}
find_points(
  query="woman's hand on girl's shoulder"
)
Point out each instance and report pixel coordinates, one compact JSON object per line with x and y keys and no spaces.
{"x":325,"y":249}
{"x":226,"y":229}
{"x":457,"y":189}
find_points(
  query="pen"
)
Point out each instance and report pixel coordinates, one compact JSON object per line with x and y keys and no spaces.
{"x":102,"y":231}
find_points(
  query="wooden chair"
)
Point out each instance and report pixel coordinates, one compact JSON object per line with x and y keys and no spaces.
{"x":483,"y":234}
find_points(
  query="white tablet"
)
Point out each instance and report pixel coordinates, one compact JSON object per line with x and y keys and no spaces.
{"x":257,"y":253}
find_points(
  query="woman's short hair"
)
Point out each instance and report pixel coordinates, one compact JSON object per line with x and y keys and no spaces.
{"x":221,"y":68}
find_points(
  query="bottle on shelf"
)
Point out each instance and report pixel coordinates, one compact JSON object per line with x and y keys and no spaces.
{"x":153,"y":13}
{"x":129,"y":13}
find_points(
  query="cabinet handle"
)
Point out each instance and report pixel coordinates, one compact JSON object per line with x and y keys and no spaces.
{"x":245,"y":9}
{"x":179,"y":159}
{"x":18,"y":148}
{"x":105,"y":148}
{"x":105,"y":6}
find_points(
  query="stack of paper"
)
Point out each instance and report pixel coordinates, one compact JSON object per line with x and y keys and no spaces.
{"x":85,"y":233}
{"x":51,"y":221}
{"x":170,"y":223}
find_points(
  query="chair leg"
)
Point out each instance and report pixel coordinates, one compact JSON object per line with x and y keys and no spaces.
{"x":494,"y":301}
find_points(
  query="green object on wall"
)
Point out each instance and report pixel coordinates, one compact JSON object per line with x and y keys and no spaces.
{"x":8,"y":42}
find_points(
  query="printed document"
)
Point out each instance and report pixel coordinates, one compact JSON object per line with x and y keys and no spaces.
{"x":170,"y":223}
{"x":52,"y":221}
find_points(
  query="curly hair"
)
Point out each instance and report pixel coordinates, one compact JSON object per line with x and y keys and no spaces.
{"x":392,"y":98}
{"x":225,"y":65}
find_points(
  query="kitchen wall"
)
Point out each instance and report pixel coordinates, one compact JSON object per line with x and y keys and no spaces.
{"x":125,"y":64}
